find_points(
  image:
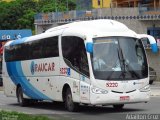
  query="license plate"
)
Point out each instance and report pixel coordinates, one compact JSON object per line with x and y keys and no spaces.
{"x":124,"y":98}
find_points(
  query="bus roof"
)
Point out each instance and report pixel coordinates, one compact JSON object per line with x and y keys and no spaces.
{"x":99,"y":24}
{"x":85,"y":29}
{"x":101,"y":27}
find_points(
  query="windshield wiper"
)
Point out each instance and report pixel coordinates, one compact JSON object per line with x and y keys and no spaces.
{"x":125,"y":66}
{"x":122,"y":64}
{"x":132,"y":72}
{"x":121,"y":59}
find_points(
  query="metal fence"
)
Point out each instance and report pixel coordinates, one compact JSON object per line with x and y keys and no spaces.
{"x":70,"y":15}
{"x":145,"y":13}
{"x":84,"y":4}
{"x":145,"y":9}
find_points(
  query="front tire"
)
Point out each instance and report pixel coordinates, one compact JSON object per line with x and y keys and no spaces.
{"x":22,"y":101}
{"x":69,"y":104}
{"x":151,"y":82}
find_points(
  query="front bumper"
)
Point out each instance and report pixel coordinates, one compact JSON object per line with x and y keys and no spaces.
{"x":119,"y":98}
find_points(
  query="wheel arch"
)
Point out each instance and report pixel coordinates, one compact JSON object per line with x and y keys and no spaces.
{"x":65,"y":87}
{"x":18,"y":86}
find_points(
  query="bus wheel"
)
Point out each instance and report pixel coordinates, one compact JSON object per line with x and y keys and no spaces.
{"x":69,"y":104}
{"x":118,"y":107}
{"x":22,"y":101}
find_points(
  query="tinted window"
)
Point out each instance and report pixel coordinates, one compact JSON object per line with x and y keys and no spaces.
{"x":36,"y":49}
{"x":43,"y":48}
{"x":74,"y":54}
{"x":9,"y":54}
{"x":51,"y":47}
{"x":146,"y":42}
{"x":119,"y":58}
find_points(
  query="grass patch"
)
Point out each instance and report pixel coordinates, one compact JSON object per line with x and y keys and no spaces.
{"x":5,"y":115}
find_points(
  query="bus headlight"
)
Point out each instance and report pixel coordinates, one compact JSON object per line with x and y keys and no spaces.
{"x":145,"y":88}
{"x":98,"y":90}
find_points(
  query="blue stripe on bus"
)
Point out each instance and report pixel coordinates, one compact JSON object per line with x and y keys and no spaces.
{"x":18,"y":41}
{"x":14,"y":69}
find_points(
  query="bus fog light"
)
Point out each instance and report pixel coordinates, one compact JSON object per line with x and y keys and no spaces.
{"x":145,"y":89}
{"x":98,"y":90}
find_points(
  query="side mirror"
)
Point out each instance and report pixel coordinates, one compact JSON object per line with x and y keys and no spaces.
{"x":154,"y":48}
{"x":152,"y":42}
{"x":89,"y":47}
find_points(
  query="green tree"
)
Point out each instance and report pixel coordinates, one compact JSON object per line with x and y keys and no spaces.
{"x":19,"y":14}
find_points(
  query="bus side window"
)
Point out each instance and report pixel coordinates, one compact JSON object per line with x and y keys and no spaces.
{"x":51,"y":47}
{"x":84,"y":68}
{"x":145,"y":42}
{"x":9,"y":53}
{"x":74,"y":54}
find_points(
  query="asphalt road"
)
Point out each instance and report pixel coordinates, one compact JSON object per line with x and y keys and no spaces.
{"x":86,"y":112}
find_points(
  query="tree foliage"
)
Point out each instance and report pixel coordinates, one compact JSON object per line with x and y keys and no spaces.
{"x":19,"y":14}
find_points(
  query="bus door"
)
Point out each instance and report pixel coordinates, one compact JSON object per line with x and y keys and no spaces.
{"x":75,"y":57}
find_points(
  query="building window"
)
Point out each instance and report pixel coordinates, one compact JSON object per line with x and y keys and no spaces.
{"x":99,"y":2}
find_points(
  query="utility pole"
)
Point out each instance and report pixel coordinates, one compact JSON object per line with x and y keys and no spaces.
{"x":111,"y":7}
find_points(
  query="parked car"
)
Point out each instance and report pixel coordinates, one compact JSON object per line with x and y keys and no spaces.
{"x":1,"y":81}
{"x":152,"y":75}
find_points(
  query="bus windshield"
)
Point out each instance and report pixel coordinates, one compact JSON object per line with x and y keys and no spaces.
{"x":119,"y":58}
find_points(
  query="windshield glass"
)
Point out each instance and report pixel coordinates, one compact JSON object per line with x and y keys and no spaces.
{"x":119,"y":58}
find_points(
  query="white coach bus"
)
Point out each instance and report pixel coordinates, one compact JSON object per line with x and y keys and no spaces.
{"x":98,"y":62}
